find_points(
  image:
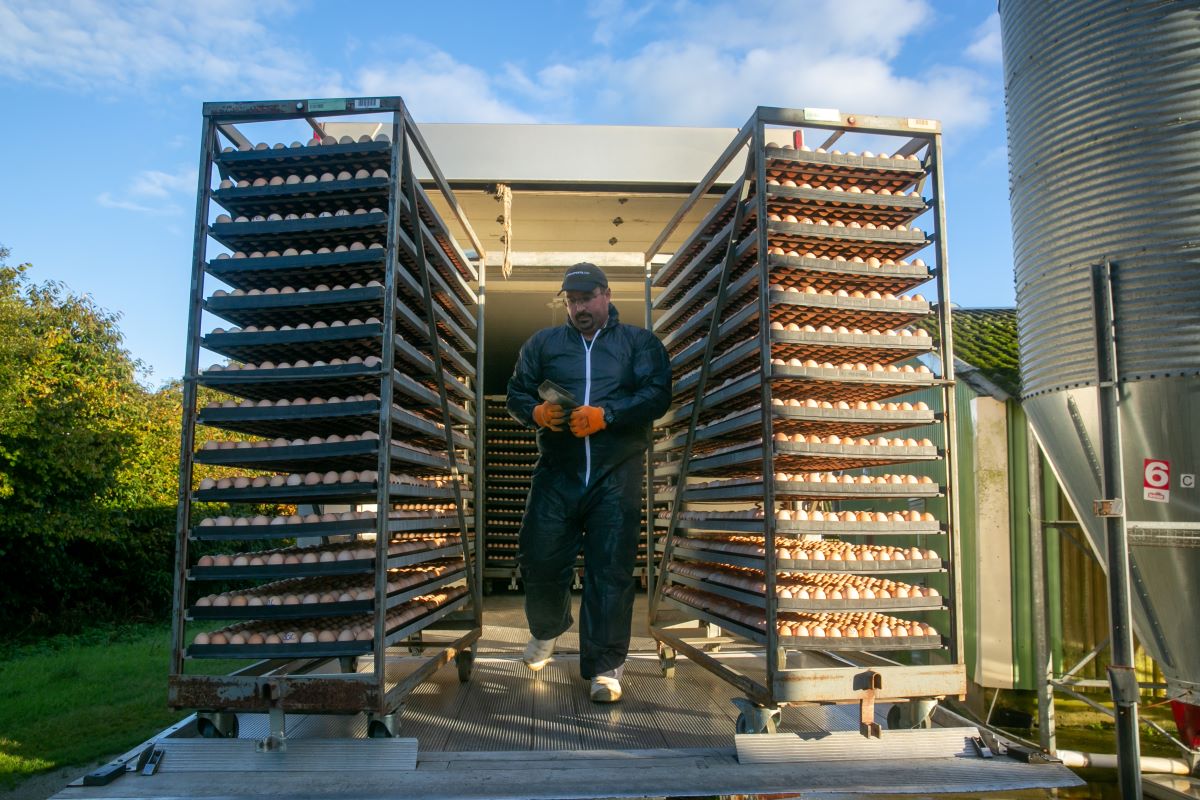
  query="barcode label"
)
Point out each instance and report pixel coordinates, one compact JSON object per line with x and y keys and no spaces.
{"x":365,"y":104}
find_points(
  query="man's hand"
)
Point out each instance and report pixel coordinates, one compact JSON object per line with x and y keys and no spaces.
{"x":586,"y":420}
{"x":549,"y":415}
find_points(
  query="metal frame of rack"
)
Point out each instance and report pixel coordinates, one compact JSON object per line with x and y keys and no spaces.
{"x":719,"y":301}
{"x":392,"y":421}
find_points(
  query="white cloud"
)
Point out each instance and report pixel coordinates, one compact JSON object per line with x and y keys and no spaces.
{"x":613,"y":18}
{"x":438,"y":88}
{"x":722,"y":59}
{"x":159,"y":185}
{"x":153,"y":192}
{"x":106,"y":200}
{"x":985,"y":47}
{"x":88,"y":45}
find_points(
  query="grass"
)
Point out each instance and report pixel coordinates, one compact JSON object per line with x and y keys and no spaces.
{"x":71,"y":701}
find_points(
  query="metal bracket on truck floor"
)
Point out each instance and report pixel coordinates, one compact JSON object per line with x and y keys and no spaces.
{"x":276,"y":740}
{"x":867,"y":725}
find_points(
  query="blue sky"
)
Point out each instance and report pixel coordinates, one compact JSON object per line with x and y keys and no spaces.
{"x":102,"y":105}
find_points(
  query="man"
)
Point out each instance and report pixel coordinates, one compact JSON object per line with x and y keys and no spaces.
{"x":587,"y":485}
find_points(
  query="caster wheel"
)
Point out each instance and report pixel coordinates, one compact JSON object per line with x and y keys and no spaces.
{"x":915,"y":714}
{"x":755,"y":723}
{"x":755,"y":719}
{"x":377,"y":730}
{"x":218,"y":726}
{"x":666,"y":660}
{"x":465,"y":661}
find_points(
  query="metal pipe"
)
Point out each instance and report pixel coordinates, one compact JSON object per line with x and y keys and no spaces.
{"x":1148,"y":764}
{"x":1043,"y":662}
{"x":1111,"y":507}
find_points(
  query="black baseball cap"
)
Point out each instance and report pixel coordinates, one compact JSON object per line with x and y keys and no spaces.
{"x":583,"y":277}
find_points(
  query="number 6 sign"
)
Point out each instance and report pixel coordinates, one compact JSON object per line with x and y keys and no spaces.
{"x":1156,"y":480}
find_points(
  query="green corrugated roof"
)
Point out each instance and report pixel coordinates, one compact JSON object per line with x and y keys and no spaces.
{"x":986,"y":338}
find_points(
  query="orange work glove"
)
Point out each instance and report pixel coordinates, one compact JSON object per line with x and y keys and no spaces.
{"x":587,"y":420}
{"x":549,"y":415}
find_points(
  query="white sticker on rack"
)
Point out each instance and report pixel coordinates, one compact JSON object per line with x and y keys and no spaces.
{"x":366,"y":103}
{"x":922,"y":124}
{"x":822,"y":115}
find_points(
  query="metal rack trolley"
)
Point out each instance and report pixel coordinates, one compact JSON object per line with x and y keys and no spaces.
{"x":812,"y":238}
{"x":352,"y":292}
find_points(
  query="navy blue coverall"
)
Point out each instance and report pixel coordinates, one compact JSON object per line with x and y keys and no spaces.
{"x":587,"y":492}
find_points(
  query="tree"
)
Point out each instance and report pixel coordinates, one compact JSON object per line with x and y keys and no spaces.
{"x":88,"y":457}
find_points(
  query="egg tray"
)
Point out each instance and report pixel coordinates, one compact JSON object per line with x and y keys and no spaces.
{"x":310,"y":419}
{"x":442,"y":238}
{"x":499,"y":477}
{"x":499,"y":495}
{"x":851,"y":386}
{"x":339,"y":456}
{"x":325,"y":569}
{"x":369,"y":228}
{"x":238,"y":533}
{"x":699,"y":282}
{"x":846,"y":206}
{"x":746,"y":354}
{"x":803,"y":383}
{"x":807,"y":527}
{"x":514,"y":449}
{"x":744,"y":393}
{"x":687,"y":317}
{"x":871,"y":644}
{"x":827,"y":169}
{"x":325,"y":649}
{"x":516,"y":470}
{"x":718,"y":217}
{"x":357,"y":492}
{"x":792,"y":420}
{"x":335,"y":609}
{"x":694,"y":550}
{"x":291,"y":309}
{"x":705,"y":268}
{"x":265,"y":272}
{"x":801,"y":309}
{"x":825,"y":273}
{"x":449,"y":306}
{"x":297,"y":198}
{"x":502,"y":513}
{"x":444,"y":274}
{"x":312,"y":343}
{"x":315,"y":344}
{"x":797,"y":456}
{"x":294,"y":422}
{"x":695,"y":308}
{"x":751,"y":489}
{"x":855,"y":347}
{"x":829,"y":241}
{"x":811,"y":606}
{"x":283,"y":161}
{"x":455,"y":340}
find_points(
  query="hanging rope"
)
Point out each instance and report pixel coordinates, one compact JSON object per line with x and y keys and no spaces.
{"x":504,"y":197}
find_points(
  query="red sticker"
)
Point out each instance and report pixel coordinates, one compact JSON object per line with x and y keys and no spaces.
{"x":1156,"y":480}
